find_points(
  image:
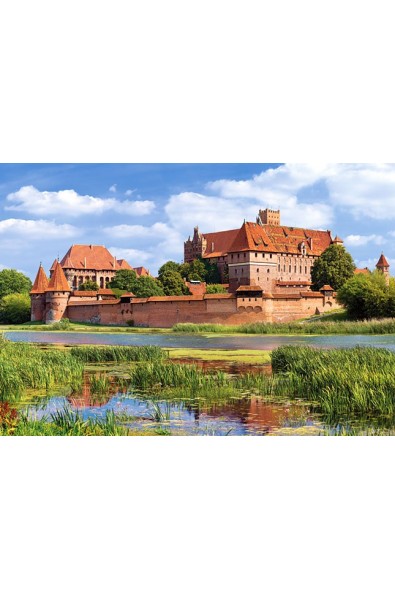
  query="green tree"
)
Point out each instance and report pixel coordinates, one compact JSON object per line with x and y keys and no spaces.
{"x":169,"y":266}
{"x":367,"y":296}
{"x":173,"y":284}
{"x":197,"y":270}
{"x":15,"y":308}
{"x":88,"y":286}
{"x":215,"y":288}
{"x":146,"y":287}
{"x":14,"y":282}
{"x":213,"y":274}
{"x":125,"y":279}
{"x":333,"y":267}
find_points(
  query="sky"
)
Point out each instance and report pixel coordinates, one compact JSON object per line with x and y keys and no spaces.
{"x":145,"y":212}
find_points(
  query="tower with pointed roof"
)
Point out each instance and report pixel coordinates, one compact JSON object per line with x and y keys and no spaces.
{"x":57,"y":295}
{"x":384,"y":267}
{"x":37,"y":295}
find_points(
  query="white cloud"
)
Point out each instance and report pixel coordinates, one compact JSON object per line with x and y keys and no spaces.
{"x":214,"y":213}
{"x":371,"y":263}
{"x":129,"y":192}
{"x":41,"y":229}
{"x":363,"y":240}
{"x":113,"y":188}
{"x":134,"y":256}
{"x":31,"y":200}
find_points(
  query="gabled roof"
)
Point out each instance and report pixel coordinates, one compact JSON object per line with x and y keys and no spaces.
{"x":94,"y":258}
{"x":40,"y":283}
{"x":58,"y":281}
{"x":383,"y":262}
{"x":280,"y":239}
{"x":363,"y":271}
{"x":141,"y":271}
{"x":123,"y":264}
{"x":219,"y":242}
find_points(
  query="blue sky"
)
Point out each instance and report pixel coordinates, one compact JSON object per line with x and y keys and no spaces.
{"x":144,"y":212}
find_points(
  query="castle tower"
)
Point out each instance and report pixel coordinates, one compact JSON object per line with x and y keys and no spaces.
{"x":337,"y":241}
{"x":384,"y":267}
{"x":37,"y":294}
{"x":57,"y":295}
{"x":269,"y":217}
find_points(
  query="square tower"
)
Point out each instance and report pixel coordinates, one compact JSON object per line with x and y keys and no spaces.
{"x":269,"y":216}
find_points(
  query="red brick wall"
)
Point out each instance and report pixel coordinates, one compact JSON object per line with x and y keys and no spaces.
{"x":230,"y":311}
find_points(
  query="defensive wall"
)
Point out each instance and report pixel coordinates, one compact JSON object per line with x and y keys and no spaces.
{"x":228,"y":309}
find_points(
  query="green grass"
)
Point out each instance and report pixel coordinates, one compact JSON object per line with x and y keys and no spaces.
{"x":96,"y":354}
{"x":256,"y":357}
{"x":334,"y":326}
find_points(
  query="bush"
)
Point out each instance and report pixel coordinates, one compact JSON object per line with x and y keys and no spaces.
{"x":15,"y":309}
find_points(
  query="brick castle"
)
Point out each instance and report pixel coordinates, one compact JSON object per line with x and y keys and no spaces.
{"x":268,"y":267}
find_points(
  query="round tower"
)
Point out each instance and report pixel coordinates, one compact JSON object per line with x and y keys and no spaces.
{"x":57,"y":295}
{"x":384,"y":267}
{"x":37,"y":295}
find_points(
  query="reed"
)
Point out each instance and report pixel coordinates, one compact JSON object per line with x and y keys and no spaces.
{"x":91,"y":354}
{"x":313,"y":327}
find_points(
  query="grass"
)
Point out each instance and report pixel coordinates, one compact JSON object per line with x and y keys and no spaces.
{"x":96,"y":354}
{"x":83,"y":327}
{"x":334,"y":326}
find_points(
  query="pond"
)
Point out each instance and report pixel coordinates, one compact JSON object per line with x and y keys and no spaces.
{"x":208,"y":341}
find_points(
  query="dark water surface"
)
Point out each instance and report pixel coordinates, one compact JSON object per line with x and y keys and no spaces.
{"x":209,"y":342}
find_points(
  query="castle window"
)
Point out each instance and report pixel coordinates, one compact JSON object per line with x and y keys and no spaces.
{"x":271,"y":256}
{"x":290,"y":268}
{"x":244,"y":254}
{"x":257,"y":270}
{"x":279,"y":268}
{"x":242,"y":270}
{"x":269,"y":270}
{"x":305,"y":270}
{"x":235,"y":271}
{"x":238,"y":256}
{"x":256,"y":254}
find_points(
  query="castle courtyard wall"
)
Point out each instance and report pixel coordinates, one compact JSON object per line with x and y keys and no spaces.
{"x":225,"y":309}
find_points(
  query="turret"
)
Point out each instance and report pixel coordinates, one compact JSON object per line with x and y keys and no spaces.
{"x":384,"y":267}
{"x":57,"y":295}
{"x":37,"y":295}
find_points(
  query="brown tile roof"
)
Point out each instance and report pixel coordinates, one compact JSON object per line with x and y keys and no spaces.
{"x":218,"y":296}
{"x":326,"y":288}
{"x":94,"y":258}
{"x":128,"y":295}
{"x":219,"y":242}
{"x":249,"y":288}
{"x":363,"y":271}
{"x":58,"y":281}
{"x":123,"y":264}
{"x":383,"y":262}
{"x":311,"y":294}
{"x":40,"y":283}
{"x":87,"y":293}
{"x":141,"y":271}
{"x":278,"y":238}
{"x":285,"y":283}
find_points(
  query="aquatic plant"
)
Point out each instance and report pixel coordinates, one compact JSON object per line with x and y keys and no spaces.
{"x":89,"y":354}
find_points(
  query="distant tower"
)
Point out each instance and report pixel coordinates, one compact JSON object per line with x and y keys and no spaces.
{"x":384,"y":267}
{"x":269,"y":217}
{"x":337,"y":241}
{"x":57,"y":295}
{"x":37,"y":294}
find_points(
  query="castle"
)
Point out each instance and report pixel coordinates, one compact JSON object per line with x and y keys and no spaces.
{"x":268,"y":266}
{"x":263,"y":253}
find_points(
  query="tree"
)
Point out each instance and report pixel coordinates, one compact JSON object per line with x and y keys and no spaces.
{"x":367,"y":296}
{"x":146,"y":287}
{"x":88,"y":286}
{"x":333,"y":267}
{"x":125,"y":279}
{"x":213,"y":274}
{"x":14,"y":282}
{"x":169,"y":266}
{"x":15,"y":308}
{"x":173,"y":284}
{"x":215,"y":288}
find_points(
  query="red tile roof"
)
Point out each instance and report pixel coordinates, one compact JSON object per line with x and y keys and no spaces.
{"x":383,"y":262}
{"x":326,"y":288}
{"x":249,"y":288}
{"x":278,"y":238}
{"x":123,"y":264}
{"x":40,"y":283}
{"x":94,"y":258}
{"x":363,"y":271}
{"x":219,"y":242}
{"x":58,"y":281}
{"x":141,"y":271}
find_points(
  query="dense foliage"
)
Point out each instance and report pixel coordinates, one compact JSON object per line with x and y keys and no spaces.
{"x":368,"y":296}
{"x":334,"y":267}
{"x":125,"y":279}
{"x":14,"y":282}
{"x":88,"y":286}
{"x":215,"y":288}
{"x":15,"y":309}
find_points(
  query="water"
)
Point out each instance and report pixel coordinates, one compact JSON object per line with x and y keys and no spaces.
{"x":209,"y":342}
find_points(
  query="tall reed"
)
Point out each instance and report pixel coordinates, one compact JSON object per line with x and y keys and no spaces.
{"x":90,"y":354}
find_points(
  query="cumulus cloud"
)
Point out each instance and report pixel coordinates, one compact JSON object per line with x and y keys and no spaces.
{"x":129,"y":192}
{"x":42,"y":230}
{"x":31,"y":200}
{"x":363,"y":240}
{"x":215,"y":213}
{"x":113,"y":188}
{"x":134,"y":256}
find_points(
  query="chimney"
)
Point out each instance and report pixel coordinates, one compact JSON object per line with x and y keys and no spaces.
{"x":85,"y":262}
{"x":311,"y":243}
{"x":212,"y":246}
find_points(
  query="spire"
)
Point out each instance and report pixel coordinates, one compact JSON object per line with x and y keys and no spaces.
{"x":58,"y":281}
{"x":383,"y":262}
{"x":40,"y":283}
